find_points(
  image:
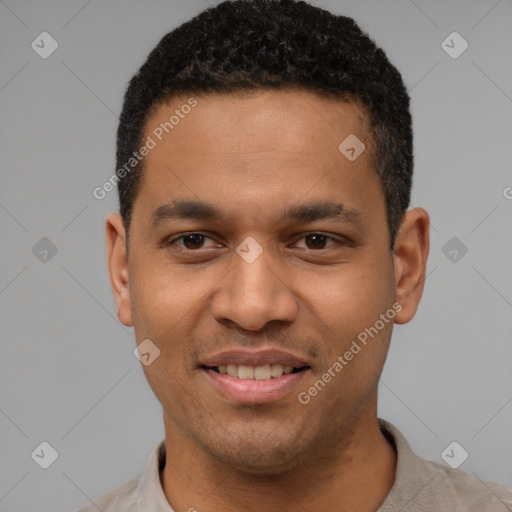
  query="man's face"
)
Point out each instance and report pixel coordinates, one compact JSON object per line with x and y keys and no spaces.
{"x":317,"y":283}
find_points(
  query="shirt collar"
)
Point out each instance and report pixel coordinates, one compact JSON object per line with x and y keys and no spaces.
{"x":411,"y":475}
{"x":150,"y":494}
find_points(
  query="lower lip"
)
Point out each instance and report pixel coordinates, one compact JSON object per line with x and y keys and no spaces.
{"x":254,"y":391}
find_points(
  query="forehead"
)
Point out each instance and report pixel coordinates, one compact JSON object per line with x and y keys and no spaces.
{"x":258,"y":148}
{"x":259,"y":120}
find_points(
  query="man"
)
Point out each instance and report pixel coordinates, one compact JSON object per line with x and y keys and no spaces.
{"x":263,"y":253}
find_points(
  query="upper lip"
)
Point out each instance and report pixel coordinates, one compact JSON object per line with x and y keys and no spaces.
{"x":254,"y":358}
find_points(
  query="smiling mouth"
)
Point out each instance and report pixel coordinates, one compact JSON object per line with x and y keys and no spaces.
{"x":263,"y":372}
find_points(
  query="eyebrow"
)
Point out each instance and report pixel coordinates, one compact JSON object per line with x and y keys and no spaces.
{"x":201,"y":210}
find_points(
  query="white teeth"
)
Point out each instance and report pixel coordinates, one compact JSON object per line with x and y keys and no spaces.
{"x":245,"y":372}
{"x":277,"y":370}
{"x":232,"y":370}
{"x":264,"y":372}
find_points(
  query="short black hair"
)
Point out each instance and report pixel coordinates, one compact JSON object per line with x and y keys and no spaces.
{"x":274,"y":44}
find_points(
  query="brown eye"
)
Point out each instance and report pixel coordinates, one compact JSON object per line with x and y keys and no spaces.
{"x":192,"y":242}
{"x":316,"y":241}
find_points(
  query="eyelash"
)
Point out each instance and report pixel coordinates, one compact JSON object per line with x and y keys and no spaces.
{"x":172,"y":241}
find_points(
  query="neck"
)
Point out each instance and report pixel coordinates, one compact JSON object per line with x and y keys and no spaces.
{"x":354,"y":472}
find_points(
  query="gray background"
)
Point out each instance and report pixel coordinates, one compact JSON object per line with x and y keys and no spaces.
{"x":68,"y":375}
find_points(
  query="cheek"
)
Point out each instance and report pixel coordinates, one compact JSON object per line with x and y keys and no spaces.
{"x":347,"y":307}
{"x":167,"y":385}
{"x":351,"y":297}
{"x":160,"y":296}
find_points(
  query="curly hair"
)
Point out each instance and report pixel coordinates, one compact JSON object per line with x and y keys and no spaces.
{"x":284,"y":44}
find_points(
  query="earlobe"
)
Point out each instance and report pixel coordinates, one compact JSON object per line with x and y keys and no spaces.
{"x":410,"y":262}
{"x":118,"y":266}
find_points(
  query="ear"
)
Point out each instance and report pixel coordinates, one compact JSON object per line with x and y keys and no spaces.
{"x":410,"y":261}
{"x":118,"y":267}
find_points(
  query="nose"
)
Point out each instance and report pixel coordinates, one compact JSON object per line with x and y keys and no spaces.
{"x":255,"y":293}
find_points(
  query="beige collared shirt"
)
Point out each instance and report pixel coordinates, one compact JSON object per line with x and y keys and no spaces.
{"x":420,"y":485}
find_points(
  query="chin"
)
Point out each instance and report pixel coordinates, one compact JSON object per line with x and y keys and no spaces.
{"x":264,"y":458}
{"x":257,"y":464}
